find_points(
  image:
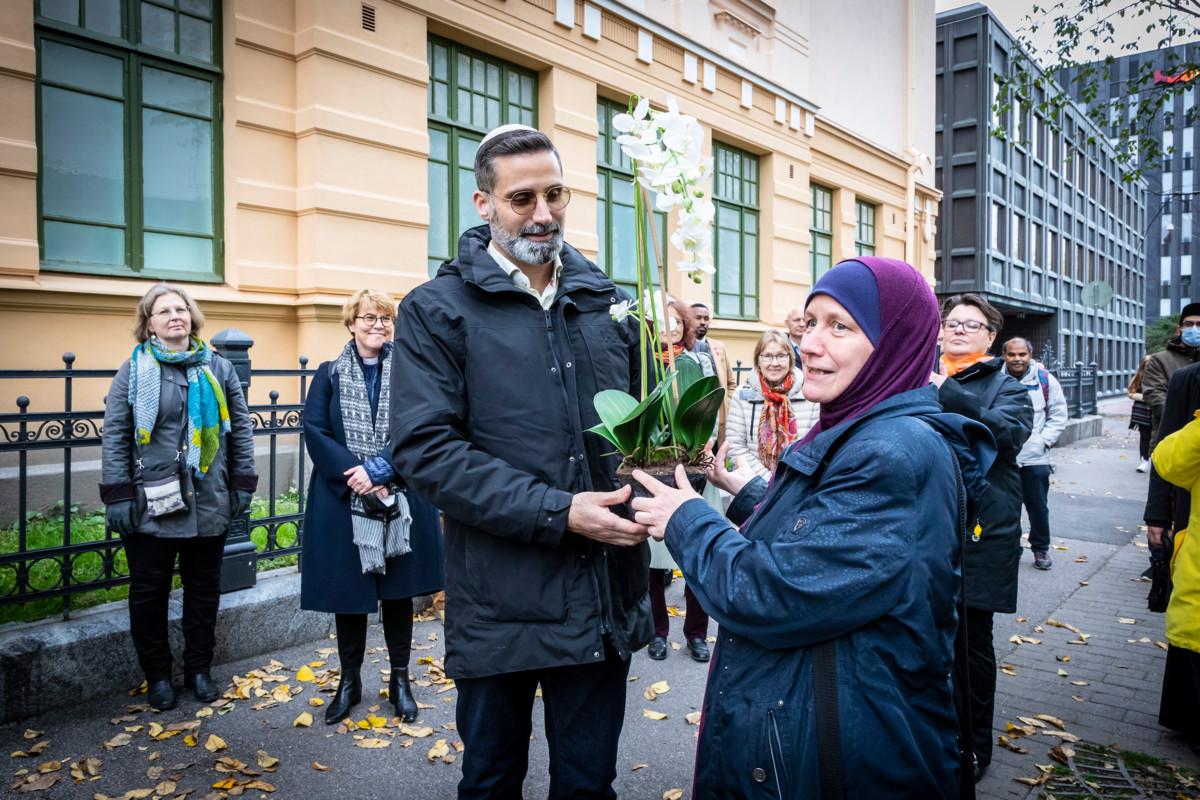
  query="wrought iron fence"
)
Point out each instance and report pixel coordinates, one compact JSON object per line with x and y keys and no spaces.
{"x":41,"y":561}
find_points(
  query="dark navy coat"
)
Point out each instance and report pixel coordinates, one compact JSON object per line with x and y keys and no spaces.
{"x":856,"y":542}
{"x":985,"y":393}
{"x":331,"y":576}
{"x":498,"y":399}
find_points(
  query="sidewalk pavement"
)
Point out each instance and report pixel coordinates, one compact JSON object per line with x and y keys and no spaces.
{"x":1096,"y":503}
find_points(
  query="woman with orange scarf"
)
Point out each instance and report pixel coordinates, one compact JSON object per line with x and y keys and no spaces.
{"x":769,"y":412}
{"x":972,"y":382}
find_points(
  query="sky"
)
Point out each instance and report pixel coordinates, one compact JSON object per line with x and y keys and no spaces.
{"x":1013,"y":12}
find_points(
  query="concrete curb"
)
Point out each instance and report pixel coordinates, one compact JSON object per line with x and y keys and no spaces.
{"x":54,"y":662}
{"x":1082,"y":428}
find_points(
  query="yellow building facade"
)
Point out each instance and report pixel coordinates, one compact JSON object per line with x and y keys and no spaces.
{"x":337,"y":143}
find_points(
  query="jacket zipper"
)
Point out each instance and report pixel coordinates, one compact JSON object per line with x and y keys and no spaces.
{"x":598,"y":566}
{"x":778,"y":764}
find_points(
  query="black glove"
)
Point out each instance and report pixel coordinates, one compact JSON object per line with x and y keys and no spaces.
{"x":241,"y":500}
{"x":120,"y":517}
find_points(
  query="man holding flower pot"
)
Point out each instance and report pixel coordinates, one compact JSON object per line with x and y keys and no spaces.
{"x":498,"y":359}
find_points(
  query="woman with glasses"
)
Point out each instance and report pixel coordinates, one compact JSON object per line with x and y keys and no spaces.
{"x":177,"y":461}
{"x":972,"y":382}
{"x":769,"y":412}
{"x":368,"y":539}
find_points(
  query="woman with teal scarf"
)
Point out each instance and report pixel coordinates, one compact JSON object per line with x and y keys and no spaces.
{"x":177,"y":464}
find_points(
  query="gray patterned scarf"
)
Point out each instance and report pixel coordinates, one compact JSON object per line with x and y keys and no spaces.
{"x":377,"y":536}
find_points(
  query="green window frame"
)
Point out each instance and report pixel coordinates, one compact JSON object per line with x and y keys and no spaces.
{"x":864,"y":228}
{"x":469,"y":94}
{"x":820,"y":253}
{"x":128,"y":109}
{"x":735,"y":245}
{"x":617,"y":248}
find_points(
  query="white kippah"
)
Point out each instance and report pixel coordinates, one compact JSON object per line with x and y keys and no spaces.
{"x":503,"y":129}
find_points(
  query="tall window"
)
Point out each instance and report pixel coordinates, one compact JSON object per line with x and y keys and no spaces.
{"x":614,"y":207}
{"x":128,"y":141}
{"x":864,"y":228}
{"x":469,"y":94}
{"x":820,"y":255}
{"x":736,"y":248}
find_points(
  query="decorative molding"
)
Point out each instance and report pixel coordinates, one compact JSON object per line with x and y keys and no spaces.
{"x":794,"y":119}
{"x":726,"y":17}
{"x":691,"y":67}
{"x":710,"y":76}
{"x":780,"y":111}
{"x":564,"y":13}
{"x":591,"y":22}
{"x":747,"y":94}
{"x":645,"y":46}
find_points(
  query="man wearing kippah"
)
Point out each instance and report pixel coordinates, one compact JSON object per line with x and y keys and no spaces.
{"x":497,"y":360}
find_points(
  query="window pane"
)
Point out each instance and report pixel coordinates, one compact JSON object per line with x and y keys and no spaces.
{"x":195,"y":38}
{"x":624,"y":246}
{"x":177,"y":172}
{"x":729,"y":246}
{"x":602,"y":224}
{"x":103,"y":16}
{"x":84,"y":243}
{"x":202,"y":7}
{"x":166,"y":253}
{"x":84,"y":69}
{"x":82,"y":176}
{"x":176,"y":92}
{"x":439,"y":211}
{"x":158,"y":27}
{"x":62,"y":10}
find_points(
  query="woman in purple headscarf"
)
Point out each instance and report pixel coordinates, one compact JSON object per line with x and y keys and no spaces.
{"x":837,"y":598}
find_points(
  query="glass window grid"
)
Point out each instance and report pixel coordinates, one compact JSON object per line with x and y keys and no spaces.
{"x":864,"y":229}
{"x":735,"y":194}
{"x":130,"y":24}
{"x":613,"y":167}
{"x":469,"y":94}
{"x":134,"y":60}
{"x":820,"y":256}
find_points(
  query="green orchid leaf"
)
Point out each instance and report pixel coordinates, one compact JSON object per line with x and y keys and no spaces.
{"x":685,"y":374}
{"x":614,"y":406}
{"x":602,"y":430}
{"x":635,"y":431}
{"x":696,"y":415}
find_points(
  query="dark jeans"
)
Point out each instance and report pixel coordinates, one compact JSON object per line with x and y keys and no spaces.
{"x":151,"y":564}
{"x":695,"y":620}
{"x":1144,"y":442}
{"x":397,"y":633}
{"x":584,"y":712}
{"x":1035,"y":489}
{"x":980,"y":669}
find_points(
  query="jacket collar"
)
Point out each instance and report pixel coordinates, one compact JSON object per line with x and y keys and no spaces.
{"x":476,"y":267}
{"x":807,"y":458}
{"x":981,"y":368}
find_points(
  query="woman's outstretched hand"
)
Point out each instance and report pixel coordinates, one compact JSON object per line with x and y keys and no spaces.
{"x":733,"y":480}
{"x":655,"y":512}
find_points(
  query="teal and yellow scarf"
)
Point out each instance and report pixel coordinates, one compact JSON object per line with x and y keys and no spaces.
{"x":207,"y":411}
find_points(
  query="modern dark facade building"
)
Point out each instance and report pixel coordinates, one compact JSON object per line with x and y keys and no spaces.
{"x":1170,"y":181}
{"x":1040,"y":222}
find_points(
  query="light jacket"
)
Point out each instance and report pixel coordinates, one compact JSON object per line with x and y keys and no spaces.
{"x":745,"y":415}
{"x":1049,"y":416}
{"x":1159,"y":369}
{"x":1177,"y":459}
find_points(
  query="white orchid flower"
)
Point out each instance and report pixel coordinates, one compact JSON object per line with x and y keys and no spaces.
{"x":621,"y":311}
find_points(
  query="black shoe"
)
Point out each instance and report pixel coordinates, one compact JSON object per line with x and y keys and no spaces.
{"x":1041,"y":559}
{"x":658,"y":648}
{"x":698,"y":649}
{"x":980,"y":770}
{"x":400,"y":693}
{"x":202,"y":685}
{"x":161,"y":695}
{"x":347,"y":696}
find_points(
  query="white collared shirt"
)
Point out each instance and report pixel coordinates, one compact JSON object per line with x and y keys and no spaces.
{"x":521,"y":281}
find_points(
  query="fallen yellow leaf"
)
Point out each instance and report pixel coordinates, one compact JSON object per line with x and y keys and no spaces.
{"x":302,"y":721}
{"x":190,"y":740}
{"x":416,"y":732}
{"x":165,"y":788}
{"x":1062,"y":673}
{"x":214,"y":743}
{"x":372,"y":743}
{"x":672,"y":794}
{"x":376,"y":722}
{"x":440,"y":750}
{"x":305,"y":674}
{"x":692,"y":717}
{"x":636,"y":767}
{"x":30,"y":733}
{"x":319,"y":767}
{"x":655,"y":715}
{"x":316,"y":702}
{"x":205,"y":712}
{"x":661,"y":687}
{"x":267,"y":762}
{"x":120,"y":740}
{"x":1126,"y":620}
{"x":1055,"y":721}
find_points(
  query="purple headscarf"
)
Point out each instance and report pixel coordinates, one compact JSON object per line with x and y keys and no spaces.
{"x":906,"y":313}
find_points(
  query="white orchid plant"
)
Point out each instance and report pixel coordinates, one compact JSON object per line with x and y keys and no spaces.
{"x":673,"y":421}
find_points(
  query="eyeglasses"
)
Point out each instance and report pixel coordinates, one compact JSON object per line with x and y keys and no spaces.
{"x":372,"y":320}
{"x":968,"y":325}
{"x":525,"y":202}
{"x":167,"y":313}
{"x":773,"y":358}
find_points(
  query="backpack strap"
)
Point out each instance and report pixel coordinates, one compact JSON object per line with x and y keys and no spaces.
{"x":829,"y":727}
{"x":1044,"y":380}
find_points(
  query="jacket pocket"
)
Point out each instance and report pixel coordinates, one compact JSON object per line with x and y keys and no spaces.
{"x":770,"y":768}
{"x":515,"y":582}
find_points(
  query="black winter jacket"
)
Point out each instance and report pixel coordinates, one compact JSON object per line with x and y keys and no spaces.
{"x":1167,"y":505}
{"x":493,"y":398}
{"x":984,"y":392}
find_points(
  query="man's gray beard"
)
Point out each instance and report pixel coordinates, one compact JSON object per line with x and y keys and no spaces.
{"x":522,"y":249}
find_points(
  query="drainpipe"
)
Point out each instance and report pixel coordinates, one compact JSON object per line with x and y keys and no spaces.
{"x":916,"y":159}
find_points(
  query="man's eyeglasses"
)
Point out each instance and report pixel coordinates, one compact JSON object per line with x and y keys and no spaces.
{"x":525,"y":202}
{"x":968,"y":325}
{"x":773,"y":358}
{"x":372,"y":320}
{"x":167,"y":313}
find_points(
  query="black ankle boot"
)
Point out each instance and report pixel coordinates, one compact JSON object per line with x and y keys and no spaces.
{"x":161,"y":695}
{"x":203,"y":687}
{"x":347,"y":696}
{"x":400,"y":693}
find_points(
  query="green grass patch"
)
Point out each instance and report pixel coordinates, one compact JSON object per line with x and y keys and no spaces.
{"x":48,"y":529}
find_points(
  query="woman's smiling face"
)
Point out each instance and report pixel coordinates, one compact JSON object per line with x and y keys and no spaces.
{"x":833,"y":350}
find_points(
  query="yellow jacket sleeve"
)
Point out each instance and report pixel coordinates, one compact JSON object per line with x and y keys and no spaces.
{"x":1177,"y":457}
